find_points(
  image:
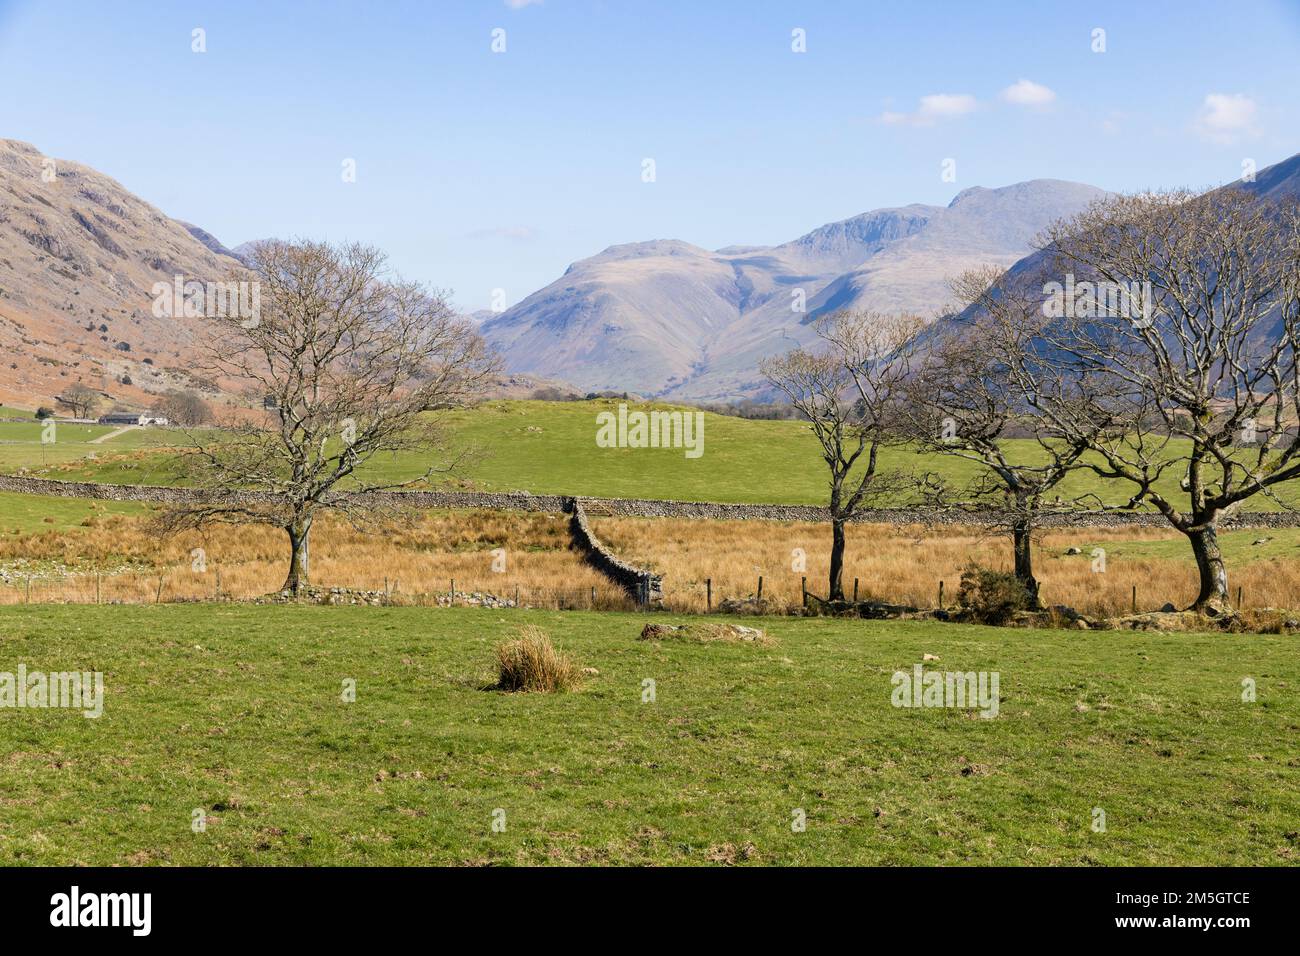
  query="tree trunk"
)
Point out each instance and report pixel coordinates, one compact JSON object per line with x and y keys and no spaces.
{"x":299,"y":561}
{"x":837,"y":560}
{"x":1213,"y":596}
{"x":1022,"y":542}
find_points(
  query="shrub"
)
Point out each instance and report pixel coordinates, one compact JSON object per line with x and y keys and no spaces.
{"x":531,"y":663}
{"x":992,"y":597}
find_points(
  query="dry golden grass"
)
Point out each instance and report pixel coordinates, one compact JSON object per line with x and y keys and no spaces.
{"x":906,"y":564}
{"x":418,"y":558}
{"x":531,"y":663}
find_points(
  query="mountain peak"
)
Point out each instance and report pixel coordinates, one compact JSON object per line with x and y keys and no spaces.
{"x":668,"y":318}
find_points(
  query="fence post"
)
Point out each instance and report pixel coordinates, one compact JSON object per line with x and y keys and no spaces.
{"x":96,"y":587}
{"x":217,"y":596}
{"x":803,"y":587}
{"x":760,"y":587}
{"x":516,"y":595}
{"x":158,"y":596}
{"x":29,"y":589}
{"x":855,"y":590}
{"x":451,"y":598}
{"x":1239,"y":606}
{"x":941,"y":595}
{"x":593,"y":596}
{"x":708,"y":594}
{"x":1135,"y":599}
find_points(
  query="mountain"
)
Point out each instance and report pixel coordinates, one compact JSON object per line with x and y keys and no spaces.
{"x":212,"y":243}
{"x":677,"y":321}
{"x":1281,"y":181}
{"x":79,"y":255}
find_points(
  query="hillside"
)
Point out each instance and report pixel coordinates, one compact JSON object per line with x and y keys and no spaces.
{"x":79,"y":255}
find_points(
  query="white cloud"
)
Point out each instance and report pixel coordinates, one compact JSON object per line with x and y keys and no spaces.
{"x":934,"y":107}
{"x":1028,"y":93}
{"x":1225,"y":117}
{"x":520,"y":4}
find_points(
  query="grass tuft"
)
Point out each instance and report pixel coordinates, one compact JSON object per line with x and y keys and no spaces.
{"x":531,"y":663}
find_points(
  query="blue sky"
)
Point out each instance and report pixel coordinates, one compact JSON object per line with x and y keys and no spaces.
{"x":478,"y":171}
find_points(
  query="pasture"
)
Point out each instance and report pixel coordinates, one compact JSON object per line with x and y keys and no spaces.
{"x":550,"y":448}
{"x":234,"y":716}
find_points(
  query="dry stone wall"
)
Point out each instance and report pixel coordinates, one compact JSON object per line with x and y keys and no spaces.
{"x":627,"y":507}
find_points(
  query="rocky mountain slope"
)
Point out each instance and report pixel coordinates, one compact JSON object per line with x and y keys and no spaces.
{"x":79,"y":255}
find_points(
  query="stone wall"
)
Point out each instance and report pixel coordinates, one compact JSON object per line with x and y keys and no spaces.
{"x":642,"y":585}
{"x":630,"y":507}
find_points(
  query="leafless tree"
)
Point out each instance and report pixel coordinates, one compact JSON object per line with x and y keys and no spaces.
{"x":847,"y":389}
{"x":81,"y":400}
{"x":343,"y":363}
{"x":962,"y":401}
{"x":185,"y":408}
{"x":1169,"y":345}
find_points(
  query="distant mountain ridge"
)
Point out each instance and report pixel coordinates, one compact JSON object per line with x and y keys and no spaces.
{"x":673,"y":320}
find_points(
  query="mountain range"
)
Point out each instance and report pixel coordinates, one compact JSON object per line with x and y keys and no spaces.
{"x":673,"y":320}
{"x":79,"y":255}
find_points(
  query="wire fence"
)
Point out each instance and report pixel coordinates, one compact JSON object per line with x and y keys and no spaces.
{"x":176,"y":586}
{"x":180,"y":587}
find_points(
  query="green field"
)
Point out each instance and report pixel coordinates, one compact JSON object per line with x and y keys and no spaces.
{"x":236,"y":711}
{"x":23,"y":514}
{"x":549,"y":448}
{"x":22,"y":444}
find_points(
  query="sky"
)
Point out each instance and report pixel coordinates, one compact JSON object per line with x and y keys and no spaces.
{"x":487,"y":172}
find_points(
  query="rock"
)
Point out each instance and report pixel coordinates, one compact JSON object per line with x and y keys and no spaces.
{"x":1080,"y":624}
{"x":1259,"y":541}
{"x":1073,"y":550}
{"x":930,"y":657}
{"x":1168,"y":608}
{"x":706,"y":633}
{"x":657,"y":632}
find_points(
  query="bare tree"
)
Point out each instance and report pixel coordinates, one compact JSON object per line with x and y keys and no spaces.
{"x":342,"y":364}
{"x":963,"y":402}
{"x":185,"y":408}
{"x":81,"y":400}
{"x":1168,"y":343}
{"x":847,"y":390}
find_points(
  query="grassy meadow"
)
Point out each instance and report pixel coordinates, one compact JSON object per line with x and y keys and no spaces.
{"x":237,"y":712}
{"x":549,"y":448}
